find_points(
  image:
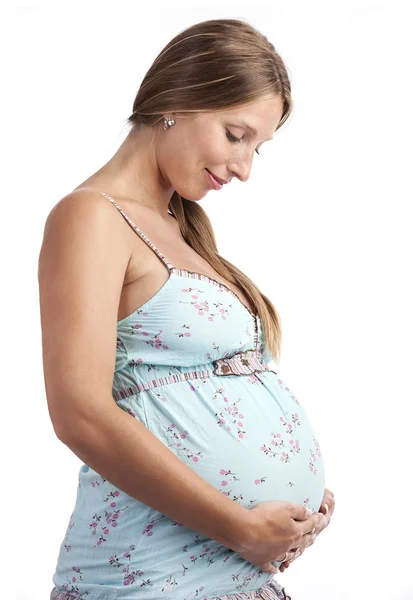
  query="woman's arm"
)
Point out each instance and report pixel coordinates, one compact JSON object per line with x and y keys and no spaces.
{"x":126,"y":453}
{"x":82,"y":264}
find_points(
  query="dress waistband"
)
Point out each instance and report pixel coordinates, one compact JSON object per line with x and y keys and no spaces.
{"x":241,"y":363}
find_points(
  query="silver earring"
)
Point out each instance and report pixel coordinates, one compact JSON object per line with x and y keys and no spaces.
{"x":168,"y":122}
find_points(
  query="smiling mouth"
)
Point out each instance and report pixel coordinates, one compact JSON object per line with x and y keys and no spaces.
{"x":220,"y":181}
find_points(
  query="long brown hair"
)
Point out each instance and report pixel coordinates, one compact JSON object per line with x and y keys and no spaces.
{"x":214,"y":65}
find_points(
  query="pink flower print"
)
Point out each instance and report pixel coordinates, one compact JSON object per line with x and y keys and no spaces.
{"x":194,"y":297}
{"x":295,"y":420}
{"x":148,"y":529}
{"x":258,"y":481}
{"x":268,"y":451}
{"x":285,"y":457}
{"x":222,"y":471}
{"x":312,"y":464}
{"x":295,"y":446}
{"x":134,"y":362}
{"x":317,"y":446}
{"x":277,"y":441}
{"x":157,"y":342}
{"x":195,"y":458}
{"x":184,"y":334}
{"x":224,"y":483}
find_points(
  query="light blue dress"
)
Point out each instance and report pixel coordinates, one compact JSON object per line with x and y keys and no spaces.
{"x":192,"y":366}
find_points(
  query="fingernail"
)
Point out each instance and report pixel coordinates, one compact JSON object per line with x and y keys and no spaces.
{"x":326,"y":507}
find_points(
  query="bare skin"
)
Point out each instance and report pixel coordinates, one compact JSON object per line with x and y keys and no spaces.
{"x":152,"y":162}
{"x":327,"y":509}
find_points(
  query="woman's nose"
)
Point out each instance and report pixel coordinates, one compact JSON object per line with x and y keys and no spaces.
{"x":242,"y":168}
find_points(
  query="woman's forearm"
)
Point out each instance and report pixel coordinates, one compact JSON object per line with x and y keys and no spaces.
{"x":128,"y":455}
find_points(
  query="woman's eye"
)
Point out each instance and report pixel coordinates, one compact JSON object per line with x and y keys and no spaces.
{"x":232,"y":138}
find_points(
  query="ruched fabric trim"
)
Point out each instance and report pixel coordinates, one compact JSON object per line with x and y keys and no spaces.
{"x":270,"y":591}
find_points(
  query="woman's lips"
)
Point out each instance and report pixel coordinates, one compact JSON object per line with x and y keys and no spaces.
{"x":214,"y":182}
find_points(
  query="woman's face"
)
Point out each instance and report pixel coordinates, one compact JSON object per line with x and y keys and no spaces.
{"x":210,"y":141}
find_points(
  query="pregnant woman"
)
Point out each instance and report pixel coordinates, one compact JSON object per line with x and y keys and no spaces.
{"x":201,"y":471}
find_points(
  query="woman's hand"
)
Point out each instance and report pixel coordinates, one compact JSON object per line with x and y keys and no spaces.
{"x":271,"y":529}
{"x":327,"y":508}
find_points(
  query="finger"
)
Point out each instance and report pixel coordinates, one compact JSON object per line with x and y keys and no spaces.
{"x":324,"y":522}
{"x":307,"y":540}
{"x":328,"y":498}
{"x":324,"y":509}
{"x":289,"y":557}
{"x":297,"y":554}
{"x":328,"y":508}
{"x":269,"y":568}
{"x":311,"y":523}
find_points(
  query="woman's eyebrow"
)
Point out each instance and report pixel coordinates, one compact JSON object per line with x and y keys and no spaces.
{"x":243,"y":123}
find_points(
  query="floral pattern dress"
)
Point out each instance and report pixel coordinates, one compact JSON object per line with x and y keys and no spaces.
{"x":192,"y":366}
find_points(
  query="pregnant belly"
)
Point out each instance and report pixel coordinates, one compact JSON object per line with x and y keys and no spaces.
{"x":248,"y":436}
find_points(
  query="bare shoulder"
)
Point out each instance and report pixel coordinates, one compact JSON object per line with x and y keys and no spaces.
{"x":80,"y":206}
{"x":82,"y":264}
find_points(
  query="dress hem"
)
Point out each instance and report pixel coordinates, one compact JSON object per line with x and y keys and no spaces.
{"x":272,"y":590}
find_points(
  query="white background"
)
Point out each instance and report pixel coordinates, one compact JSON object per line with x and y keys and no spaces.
{"x":323,"y":226}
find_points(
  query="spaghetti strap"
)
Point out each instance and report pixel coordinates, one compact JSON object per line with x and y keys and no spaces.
{"x":166,"y":262}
